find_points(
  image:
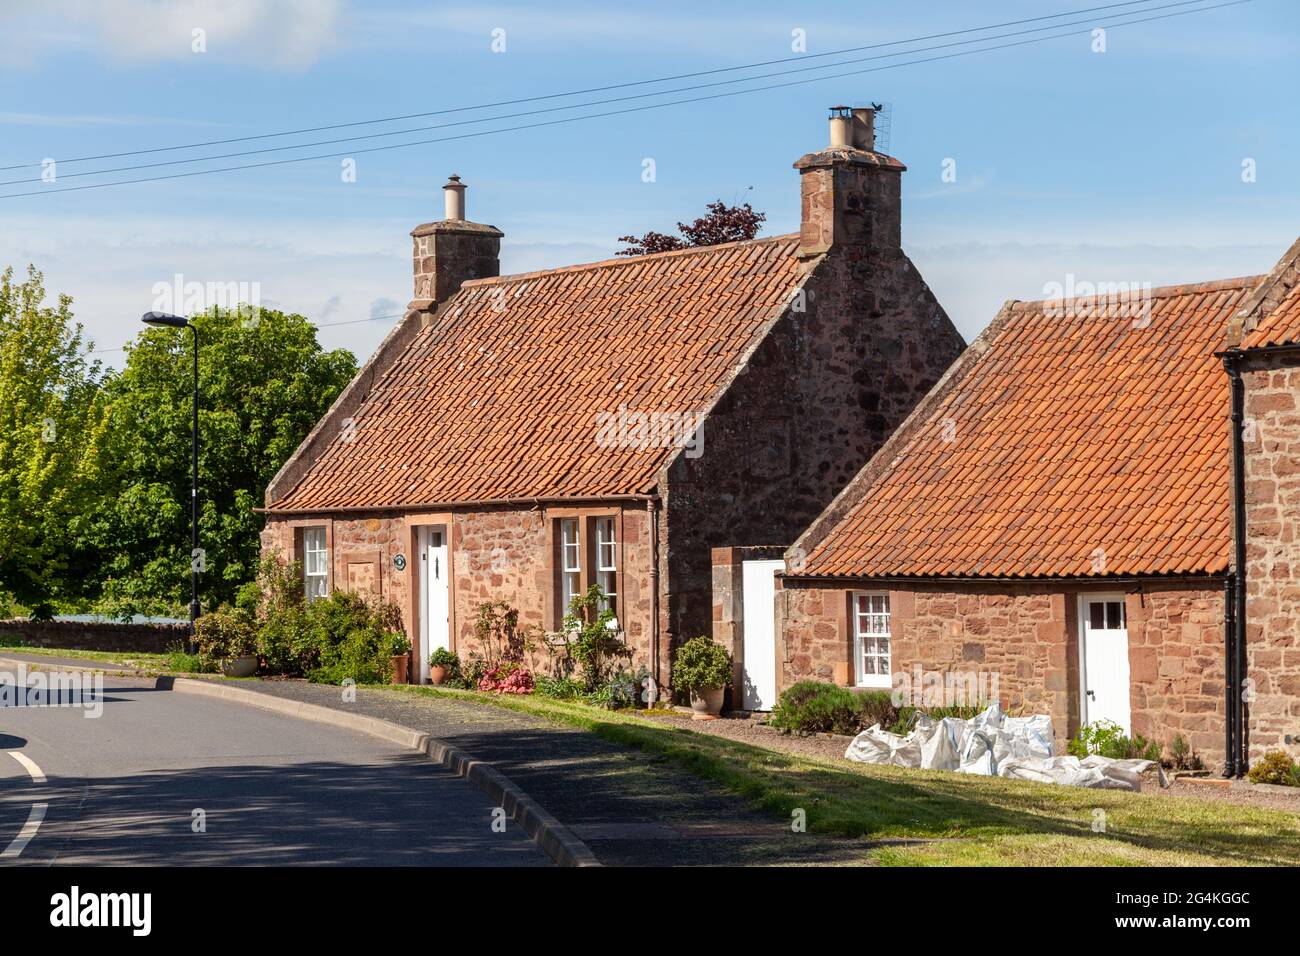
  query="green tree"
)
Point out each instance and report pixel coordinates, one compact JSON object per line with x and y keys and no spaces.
{"x":48,"y":445}
{"x":264,"y":382}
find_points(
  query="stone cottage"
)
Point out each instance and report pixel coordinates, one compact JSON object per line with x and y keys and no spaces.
{"x":521,"y":437}
{"x":1052,"y":525}
{"x":1263,"y":365}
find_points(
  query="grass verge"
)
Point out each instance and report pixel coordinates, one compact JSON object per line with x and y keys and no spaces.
{"x":168,"y":663}
{"x":1003,"y":822}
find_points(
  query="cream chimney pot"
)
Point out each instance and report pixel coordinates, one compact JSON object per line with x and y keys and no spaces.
{"x":841,"y":127}
{"x":454,"y":199}
{"x":864,"y":128}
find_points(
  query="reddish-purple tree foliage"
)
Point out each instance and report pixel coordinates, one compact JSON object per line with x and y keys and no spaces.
{"x":722,"y":224}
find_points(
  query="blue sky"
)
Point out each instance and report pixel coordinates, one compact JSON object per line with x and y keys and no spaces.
{"x":1123,"y":165}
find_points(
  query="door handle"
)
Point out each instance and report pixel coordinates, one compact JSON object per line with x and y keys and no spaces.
{"x":1092,"y":694}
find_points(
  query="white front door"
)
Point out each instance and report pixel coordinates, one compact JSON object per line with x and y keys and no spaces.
{"x":1103,"y":660}
{"x":431,"y":545}
{"x":758,"y":591}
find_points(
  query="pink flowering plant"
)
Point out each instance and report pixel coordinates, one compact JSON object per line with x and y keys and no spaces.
{"x":503,"y":645}
{"x":507,"y":679}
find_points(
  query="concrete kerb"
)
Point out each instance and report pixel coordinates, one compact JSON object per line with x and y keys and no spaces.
{"x":555,"y":839}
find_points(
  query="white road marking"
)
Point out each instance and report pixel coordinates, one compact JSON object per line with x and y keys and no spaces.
{"x":29,"y":765}
{"x":28,"y":831}
{"x":34,"y":818}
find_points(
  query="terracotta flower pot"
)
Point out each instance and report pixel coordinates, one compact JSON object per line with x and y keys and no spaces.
{"x":400,"y":664}
{"x":438,"y":674}
{"x":243,"y":666}
{"x":706,"y":703}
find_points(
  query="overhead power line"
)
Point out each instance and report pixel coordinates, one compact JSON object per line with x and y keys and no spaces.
{"x":607,"y":113}
{"x":574,"y":106}
{"x":598,"y":89}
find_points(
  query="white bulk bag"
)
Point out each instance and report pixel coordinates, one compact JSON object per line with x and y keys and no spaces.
{"x":879,"y":746}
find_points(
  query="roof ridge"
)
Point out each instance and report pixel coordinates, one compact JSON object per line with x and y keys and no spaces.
{"x":1159,"y":292}
{"x":627,"y":260}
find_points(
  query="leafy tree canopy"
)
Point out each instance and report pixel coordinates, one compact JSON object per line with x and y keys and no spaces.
{"x":264,"y":381}
{"x":723,"y":223}
{"x":49,"y":406}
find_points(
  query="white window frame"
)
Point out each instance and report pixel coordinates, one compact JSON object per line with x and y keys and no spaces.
{"x":607,"y":560}
{"x":867,"y":625}
{"x":313,"y":571}
{"x":570,"y":561}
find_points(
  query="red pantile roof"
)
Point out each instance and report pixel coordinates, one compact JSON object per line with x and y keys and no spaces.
{"x":1092,"y":444}
{"x":498,"y":397}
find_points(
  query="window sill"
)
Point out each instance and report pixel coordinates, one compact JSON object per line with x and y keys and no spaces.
{"x":875,"y":682}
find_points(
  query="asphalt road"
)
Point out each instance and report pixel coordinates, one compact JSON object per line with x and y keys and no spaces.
{"x":124,"y":788}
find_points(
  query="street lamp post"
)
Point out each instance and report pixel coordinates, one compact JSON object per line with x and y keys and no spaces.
{"x":166,"y":320}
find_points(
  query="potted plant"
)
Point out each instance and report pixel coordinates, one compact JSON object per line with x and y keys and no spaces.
{"x":703,"y":668}
{"x":442,"y":665}
{"x":227,"y":639}
{"x":400,"y":655}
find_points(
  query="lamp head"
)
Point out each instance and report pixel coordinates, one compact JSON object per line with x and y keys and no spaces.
{"x":165,"y":320}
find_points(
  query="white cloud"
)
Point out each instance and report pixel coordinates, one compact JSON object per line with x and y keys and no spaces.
{"x":354,"y":270}
{"x":341,"y":272}
{"x":281,"y":33}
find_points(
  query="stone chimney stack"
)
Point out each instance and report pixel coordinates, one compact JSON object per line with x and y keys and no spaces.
{"x":851,"y":194}
{"x":452,"y":250}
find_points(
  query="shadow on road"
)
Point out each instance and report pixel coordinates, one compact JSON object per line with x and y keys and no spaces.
{"x":398,"y":812}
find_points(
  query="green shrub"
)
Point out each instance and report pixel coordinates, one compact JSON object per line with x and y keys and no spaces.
{"x":1181,"y":756}
{"x":223,"y":635}
{"x":469,"y":674}
{"x":185,"y":663}
{"x":1277,"y":767}
{"x":815,"y":707}
{"x":620,"y":691}
{"x":275,"y":600}
{"x":353,"y":639}
{"x":285,"y":643}
{"x":592,"y":642}
{"x":559,"y":688}
{"x":445,"y":658}
{"x":1107,"y":739}
{"x":701,"y":664}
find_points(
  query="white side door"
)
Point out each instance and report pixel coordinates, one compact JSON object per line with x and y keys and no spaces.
{"x":434,"y":595}
{"x":758,"y":592}
{"x":1103,"y":660}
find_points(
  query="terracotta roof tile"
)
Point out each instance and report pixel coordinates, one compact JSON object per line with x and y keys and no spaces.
{"x":497,"y":398}
{"x":1081,"y":445}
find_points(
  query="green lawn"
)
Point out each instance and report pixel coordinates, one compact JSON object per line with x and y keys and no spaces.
{"x":173,"y":662}
{"x":995,"y":821}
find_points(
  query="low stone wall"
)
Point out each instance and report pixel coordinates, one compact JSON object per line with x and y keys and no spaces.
{"x":94,"y":635}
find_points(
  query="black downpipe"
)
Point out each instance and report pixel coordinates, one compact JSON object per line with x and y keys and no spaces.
{"x":1237,"y":756}
{"x":1229,"y":657}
